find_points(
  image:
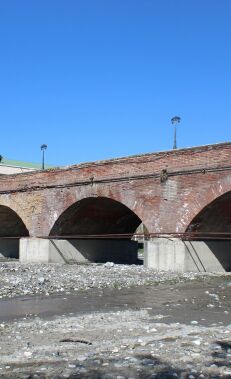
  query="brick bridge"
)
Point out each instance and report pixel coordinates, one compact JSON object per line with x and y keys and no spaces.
{"x":79,"y":207}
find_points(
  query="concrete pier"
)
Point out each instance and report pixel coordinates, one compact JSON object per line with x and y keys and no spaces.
{"x":40,"y":250}
{"x":180,"y":256}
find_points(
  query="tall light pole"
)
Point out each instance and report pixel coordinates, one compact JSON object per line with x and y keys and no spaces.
{"x":43,"y":148}
{"x":175,"y":120}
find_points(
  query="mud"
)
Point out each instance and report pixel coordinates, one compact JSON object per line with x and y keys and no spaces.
{"x":181,"y":302}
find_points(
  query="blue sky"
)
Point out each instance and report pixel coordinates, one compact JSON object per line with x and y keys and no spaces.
{"x":95,"y":79}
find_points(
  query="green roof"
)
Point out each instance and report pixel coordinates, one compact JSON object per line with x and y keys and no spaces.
{"x":12,"y":162}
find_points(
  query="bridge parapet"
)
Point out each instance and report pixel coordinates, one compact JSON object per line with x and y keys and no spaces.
{"x":174,"y":161}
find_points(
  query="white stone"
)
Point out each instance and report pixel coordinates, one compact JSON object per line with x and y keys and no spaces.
{"x":27,"y":354}
{"x":196,"y":342}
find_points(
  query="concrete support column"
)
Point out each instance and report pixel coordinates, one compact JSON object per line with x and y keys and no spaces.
{"x":34,"y":250}
{"x":173,"y":254}
{"x":40,"y":250}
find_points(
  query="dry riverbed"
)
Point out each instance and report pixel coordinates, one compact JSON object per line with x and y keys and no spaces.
{"x":103,"y":326}
{"x":17,"y":279}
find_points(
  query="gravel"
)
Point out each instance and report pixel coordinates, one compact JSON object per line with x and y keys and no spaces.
{"x":19,"y":279}
{"x":123,"y":344}
{"x":145,"y":342}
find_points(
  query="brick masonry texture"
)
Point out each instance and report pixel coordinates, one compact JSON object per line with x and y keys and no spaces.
{"x":195,"y":178}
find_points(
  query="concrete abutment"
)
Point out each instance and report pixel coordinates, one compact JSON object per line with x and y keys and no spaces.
{"x":173,"y":254}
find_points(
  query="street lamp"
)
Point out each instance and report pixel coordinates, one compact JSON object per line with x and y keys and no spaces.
{"x":43,"y":148}
{"x":175,"y":120}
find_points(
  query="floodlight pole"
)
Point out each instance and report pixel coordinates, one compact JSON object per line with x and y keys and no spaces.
{"x":43,"y":148}
{"x":175,"y":120}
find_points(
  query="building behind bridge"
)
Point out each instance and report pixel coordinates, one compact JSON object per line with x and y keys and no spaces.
{"x":9,"y":166}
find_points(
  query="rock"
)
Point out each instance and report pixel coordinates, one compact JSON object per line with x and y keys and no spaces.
{"x":196,"y":342}
{"x":27,"y":354}
{"x":81,"y":358}
{"x":109,"y":264}
{"x":41,"y":280}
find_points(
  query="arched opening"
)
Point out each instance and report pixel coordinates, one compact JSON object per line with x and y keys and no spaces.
{"x":100,"y":229}
{"x":11,"y":226}
{"x":215,"y":217}
{"x":210,"y":224}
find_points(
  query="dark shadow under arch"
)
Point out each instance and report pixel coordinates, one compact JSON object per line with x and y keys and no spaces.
{"x":211,"y":222}
{"x":99,"y":217}
{"x":215,"y":217}
{"x":11,"y":225}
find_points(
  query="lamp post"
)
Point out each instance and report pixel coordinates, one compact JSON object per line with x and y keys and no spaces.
{"x":43,"y":148}
{"x":175,"y":120}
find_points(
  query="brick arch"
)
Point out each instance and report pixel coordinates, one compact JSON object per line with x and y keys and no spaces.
{"x":200,"y":203}
{"x":215,"y":217}
{"x":96,"y":215}
{"x":65,"y":199}
{"x":11,"y":222}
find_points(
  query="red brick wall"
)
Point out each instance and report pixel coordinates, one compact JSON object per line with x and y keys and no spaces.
{"x":39,"y":198}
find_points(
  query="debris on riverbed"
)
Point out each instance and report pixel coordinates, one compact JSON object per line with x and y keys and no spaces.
{"x":178,"y":328}
{"x":76,"y":341}
{"x":127,"y":344}
{"x":19,"y":279}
